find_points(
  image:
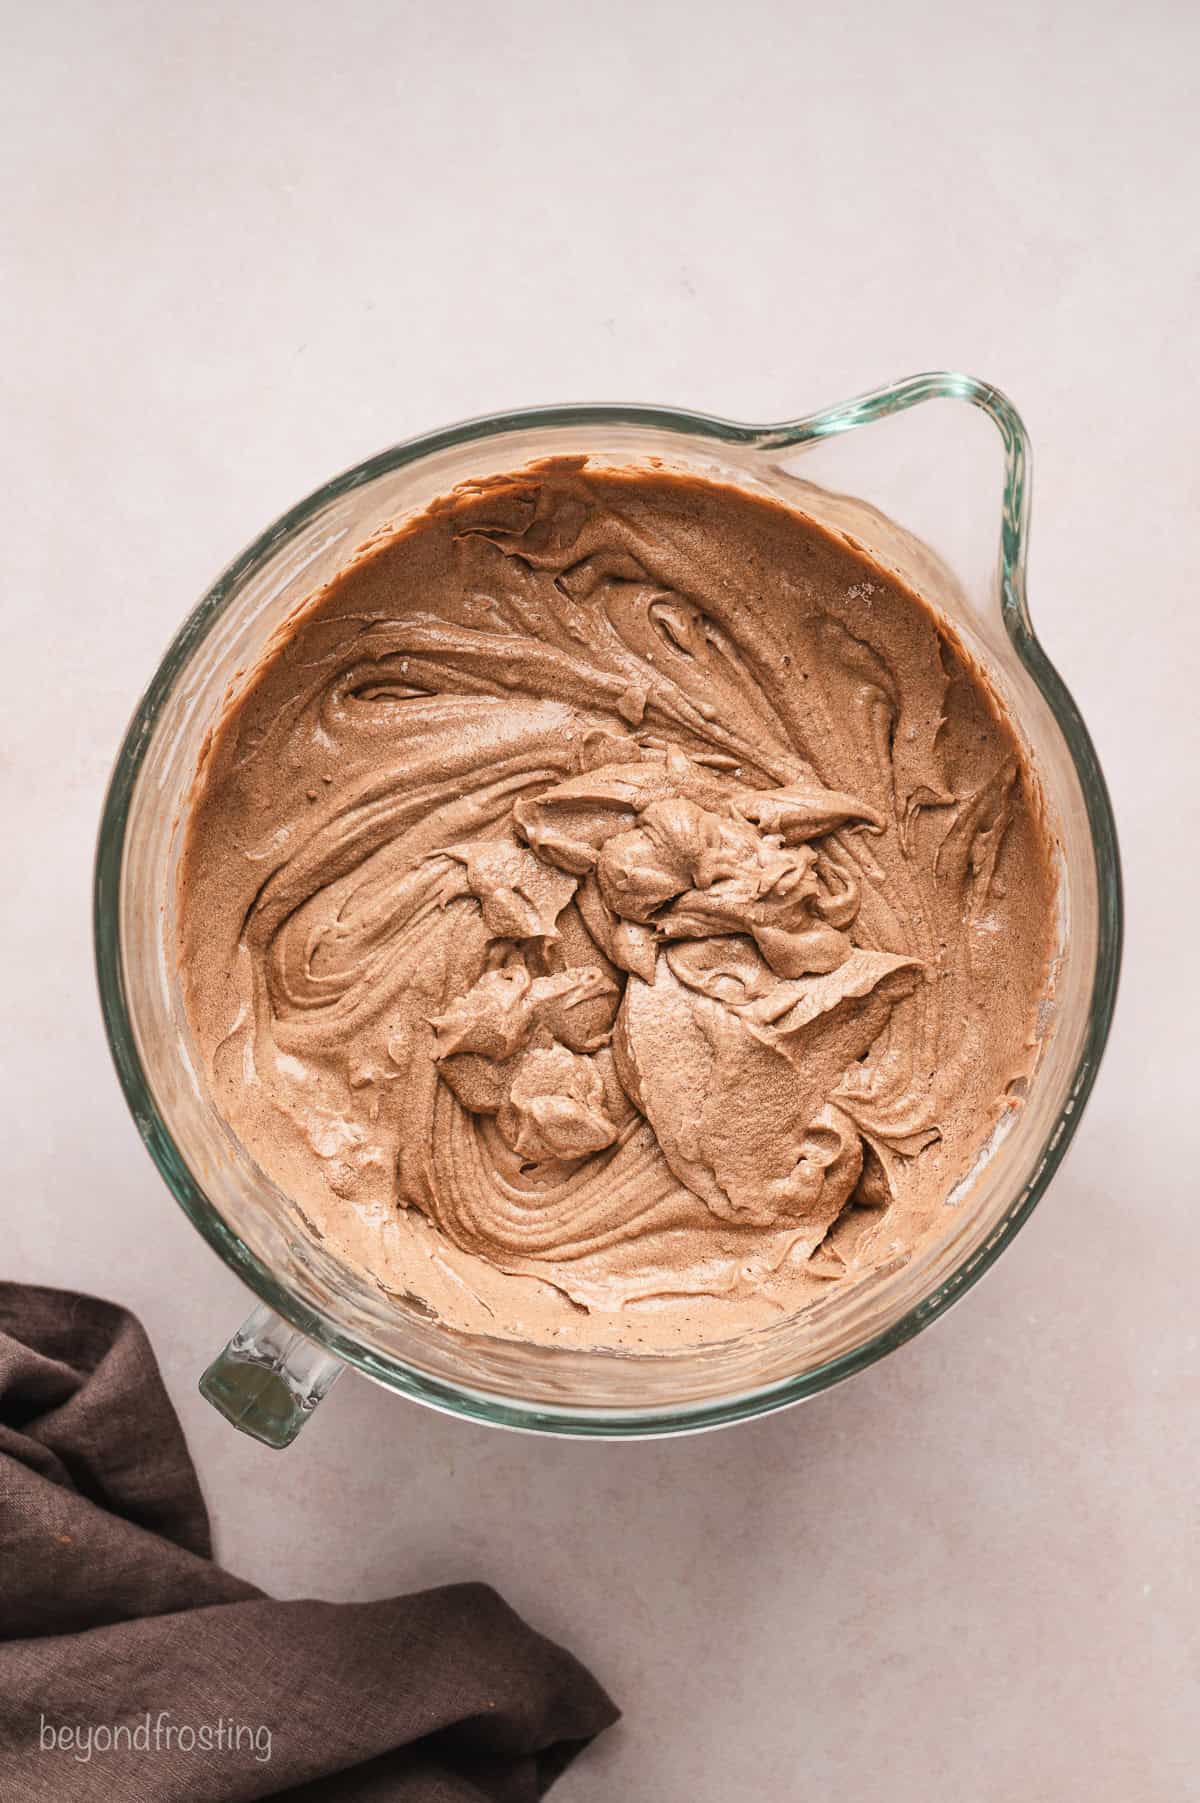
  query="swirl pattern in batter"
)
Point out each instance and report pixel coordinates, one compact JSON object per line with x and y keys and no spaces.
{"x":614,"y":909}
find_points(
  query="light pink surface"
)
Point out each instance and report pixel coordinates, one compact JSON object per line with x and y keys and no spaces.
{"x":255,"y":244}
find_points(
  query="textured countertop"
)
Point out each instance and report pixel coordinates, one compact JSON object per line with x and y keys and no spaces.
{"x":249,"y":246}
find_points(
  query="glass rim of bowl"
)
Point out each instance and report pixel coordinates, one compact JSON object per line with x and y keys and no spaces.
{"x":659,"y":1419}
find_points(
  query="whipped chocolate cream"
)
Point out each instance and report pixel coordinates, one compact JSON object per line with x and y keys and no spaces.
{"x":615,"y":909}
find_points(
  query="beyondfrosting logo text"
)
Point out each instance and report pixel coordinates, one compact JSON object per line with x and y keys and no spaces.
{"x":155,"y":1733}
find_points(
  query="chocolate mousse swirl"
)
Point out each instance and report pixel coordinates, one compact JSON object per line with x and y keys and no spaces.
{"x":617,"y":869}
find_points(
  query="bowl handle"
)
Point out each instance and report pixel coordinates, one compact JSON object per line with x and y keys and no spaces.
{"x":269,"y":1379}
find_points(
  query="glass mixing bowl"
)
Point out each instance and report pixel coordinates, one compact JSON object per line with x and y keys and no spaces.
{"x":913,"y":475}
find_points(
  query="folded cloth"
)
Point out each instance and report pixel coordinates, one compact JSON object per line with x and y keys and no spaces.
{"x":133,"y":1667}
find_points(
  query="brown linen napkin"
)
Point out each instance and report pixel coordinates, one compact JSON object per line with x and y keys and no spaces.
{"x":132,"y":1667}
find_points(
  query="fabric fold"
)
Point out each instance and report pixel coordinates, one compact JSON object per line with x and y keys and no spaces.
{"x":131,"y":1665}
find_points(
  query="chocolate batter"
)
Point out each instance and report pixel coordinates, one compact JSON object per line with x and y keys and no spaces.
{"x":615,"y":910}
